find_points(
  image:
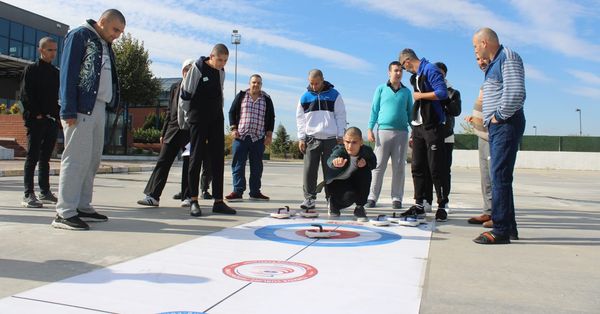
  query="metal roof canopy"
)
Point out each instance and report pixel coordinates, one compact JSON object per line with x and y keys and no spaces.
{"x":11,"y":66}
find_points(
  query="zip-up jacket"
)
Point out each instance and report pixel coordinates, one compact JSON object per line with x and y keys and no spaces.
{"x":236,"y":110}
{"x":321,"y":115}
{"x":39,"y":92}
{"x":81,"y":65}
{"x":365,"y":152}
{"x":504,"y":86}
{"x":452,"y":107}
{"x":429,"y":79}
{"x":201,"y":97}
{"x":171,"y":126}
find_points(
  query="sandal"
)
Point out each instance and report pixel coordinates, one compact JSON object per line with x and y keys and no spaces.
{"x":491,"y":238}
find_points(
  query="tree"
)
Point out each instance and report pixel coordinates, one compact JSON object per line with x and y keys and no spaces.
{"x":281,"y":143}
{"x":137,"y":83}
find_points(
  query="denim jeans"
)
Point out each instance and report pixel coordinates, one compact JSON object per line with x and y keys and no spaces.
{"x":242,"y":150}
{"x":504,"y":143}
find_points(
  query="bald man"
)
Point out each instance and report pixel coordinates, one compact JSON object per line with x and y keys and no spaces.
{"x":503,"y":100}
{"x":89,"y":86}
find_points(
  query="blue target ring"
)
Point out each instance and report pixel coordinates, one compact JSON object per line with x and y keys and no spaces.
{"x":269,"y":233}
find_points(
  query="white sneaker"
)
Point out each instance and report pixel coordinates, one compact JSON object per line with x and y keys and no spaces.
{"x":186,"y":202}
{"x":308,"y":203}
{"x":148,"y":201}
{"x":427,"y":207}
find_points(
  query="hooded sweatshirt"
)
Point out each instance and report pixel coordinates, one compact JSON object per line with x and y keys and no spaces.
{"x":322,"y":114}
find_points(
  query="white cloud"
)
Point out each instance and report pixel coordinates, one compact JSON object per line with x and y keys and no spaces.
{"x":586,"y":77}
{"x":534,"y":73}
{"x":589,"y":92}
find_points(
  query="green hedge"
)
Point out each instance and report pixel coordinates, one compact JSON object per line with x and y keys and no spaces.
{"x":540,"y":143}
{"x":146,"y":135}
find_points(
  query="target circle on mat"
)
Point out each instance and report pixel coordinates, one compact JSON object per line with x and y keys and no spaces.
{"x":349,"y":235}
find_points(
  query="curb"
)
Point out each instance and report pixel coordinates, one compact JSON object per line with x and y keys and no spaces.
{"x":101,"y":170}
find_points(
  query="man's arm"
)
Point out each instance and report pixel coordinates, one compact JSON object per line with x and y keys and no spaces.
{"x":339,"y":111}
{"x":70,"y":67}
{"x":30,"y":98}
{"x":188,"y":88}
{"x":436,"y":80}
{"x":300,"y":121}
{"x":513,"y":94}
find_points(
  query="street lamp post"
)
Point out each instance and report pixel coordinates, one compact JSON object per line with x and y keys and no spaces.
{"x":579,"y":110}
{"x":236,"y":39}
{"x":535,"y":130}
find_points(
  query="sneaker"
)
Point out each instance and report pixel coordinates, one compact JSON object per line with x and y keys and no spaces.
{"x":259,"y":197}
{"x":447,"y":208}
{"x":195,"y":209}
{"x":73,"y":223}
{"x":427,"y":207}
{"x":177,"y":196}
{"x":396,"y":204}
{"x":332,"y":211}
{"x":222,"y":208}
{"x":370,"y":204}
{"x":416,"y":210}
{"x":206,"y":195}
{"x":93,"y":217}
{"x":31,"y":201}
{"x":234,"y":197}
{"x":360,"y":213}
{"x":308,"y":203}
{"x":186,"y":202}
{"x":48,"y":198}
{"x":441,"y":215}
{"x":148,"y":201}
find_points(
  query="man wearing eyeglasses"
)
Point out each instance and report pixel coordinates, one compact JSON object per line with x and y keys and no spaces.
{"x":428,"y":118}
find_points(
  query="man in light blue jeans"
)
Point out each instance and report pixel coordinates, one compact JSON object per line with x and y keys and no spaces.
{"x":392,"y":105}
{"x":88,"y":87}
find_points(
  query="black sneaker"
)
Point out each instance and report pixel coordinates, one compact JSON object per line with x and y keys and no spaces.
{"x":206,"y":195}
{"x":360,"y":213}
{"x":415,"y":210}
{"x":332,"y":211}
{"x":73,"y":223}
{"x":31,"y":201}
{"x":48,"y":198}
{"x":195,"y":209}
{"x":222,"y":208}
{"x":370,"y":204}
{"x":441,"y":215}
{"x":396,"y":204}
{"x":177,"y":196}
{"x":93,"y":217}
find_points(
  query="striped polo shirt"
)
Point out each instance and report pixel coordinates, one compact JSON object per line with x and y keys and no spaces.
{"x":504,"y":86}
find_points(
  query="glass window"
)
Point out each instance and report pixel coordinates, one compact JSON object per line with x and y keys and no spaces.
{"x":29,"y":35}
{"x":16,"y":31}
{"x":29,"y":52}
{"x":15,"y":49}
{"x":3,"y":45}
{"x":39,"y":35}
{"x":4,"y":28}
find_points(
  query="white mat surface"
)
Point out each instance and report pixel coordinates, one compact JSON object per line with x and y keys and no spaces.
{"x":266,"y":266}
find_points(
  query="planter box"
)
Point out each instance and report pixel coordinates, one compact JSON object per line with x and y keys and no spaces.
{"x":12,"y":127}
{"x":155,"y":147}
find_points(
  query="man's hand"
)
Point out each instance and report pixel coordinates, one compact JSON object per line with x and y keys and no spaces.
{"x":302,"y":146}
{"x":235,"y":133}
{"x":268,"y":138}
{"x":417,"y":95}
{"x":494,"y":121}
{"x":361,"y":163}
{"x":161,"y":140}
{"x":339,"y":162}
{"x":469,"y":119}
{"x":371,"y":136}
{"x":71,"y":121}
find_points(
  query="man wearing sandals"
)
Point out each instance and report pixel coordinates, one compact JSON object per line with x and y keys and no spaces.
{"x":503,"y":99}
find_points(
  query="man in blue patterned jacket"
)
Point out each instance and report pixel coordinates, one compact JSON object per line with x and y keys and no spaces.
{"x":88,"y":87}
{"x":503,"y":99}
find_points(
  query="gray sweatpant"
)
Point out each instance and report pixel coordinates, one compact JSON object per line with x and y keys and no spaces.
{"x":394,"y":144}
{"x":80,"y":161}
{"x":316,"y":150}
{"x":484,"y":170}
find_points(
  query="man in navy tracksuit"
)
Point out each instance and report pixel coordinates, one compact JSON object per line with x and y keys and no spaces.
{"x":428,"y":118}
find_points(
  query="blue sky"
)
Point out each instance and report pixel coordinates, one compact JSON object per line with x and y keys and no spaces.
{"x":353,"y":41}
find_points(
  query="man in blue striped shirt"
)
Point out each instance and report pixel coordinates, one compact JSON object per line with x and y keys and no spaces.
{"x":503,"y":99}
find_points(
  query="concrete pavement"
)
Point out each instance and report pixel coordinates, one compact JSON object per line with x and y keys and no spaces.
{"x":552,"y":269}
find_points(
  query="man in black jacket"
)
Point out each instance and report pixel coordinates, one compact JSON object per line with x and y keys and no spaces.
{"x":173,"y":139}
{"x":251,"y":120}
{"x":40,"y":101}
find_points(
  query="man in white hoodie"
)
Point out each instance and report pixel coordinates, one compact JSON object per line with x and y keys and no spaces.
{"x":321,"y":120}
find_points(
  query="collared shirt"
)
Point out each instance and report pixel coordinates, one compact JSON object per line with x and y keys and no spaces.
{"x":252,"y":117}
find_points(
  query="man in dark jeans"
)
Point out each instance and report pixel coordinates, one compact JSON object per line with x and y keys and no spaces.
{"x":40,"y":101}
{"x":173,"y":139}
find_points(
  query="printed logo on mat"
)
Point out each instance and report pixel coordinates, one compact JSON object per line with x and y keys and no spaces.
{"x":270,"y":271}
{"x":345,"y":235}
